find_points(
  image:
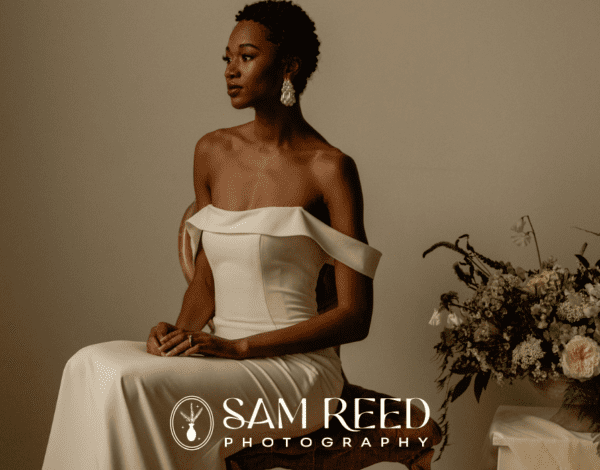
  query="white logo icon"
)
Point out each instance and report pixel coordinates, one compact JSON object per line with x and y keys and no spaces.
{"x":200,"y":422}
{"x":191,"y":433}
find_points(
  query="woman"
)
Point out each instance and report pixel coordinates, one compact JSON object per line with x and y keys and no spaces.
{"x":276,"y":203}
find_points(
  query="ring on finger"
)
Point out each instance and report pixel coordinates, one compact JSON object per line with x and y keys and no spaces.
{"x":190,"y":338}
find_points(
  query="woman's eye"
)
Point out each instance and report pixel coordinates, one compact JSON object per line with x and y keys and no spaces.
{"x":245,"y":58}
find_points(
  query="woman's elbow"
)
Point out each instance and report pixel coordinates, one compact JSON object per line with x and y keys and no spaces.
{"x":356,"y":304}
{"x":365,"y":325}
{"x":362,"y":332}
{"x":359,"y":324}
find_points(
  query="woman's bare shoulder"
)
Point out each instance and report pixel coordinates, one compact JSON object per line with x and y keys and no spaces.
{"x":329,"y":164}
{"x":336,"y":176}
{"x":221,"y":141}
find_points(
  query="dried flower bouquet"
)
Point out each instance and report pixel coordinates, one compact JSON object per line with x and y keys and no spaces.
{"x":541,"y":324}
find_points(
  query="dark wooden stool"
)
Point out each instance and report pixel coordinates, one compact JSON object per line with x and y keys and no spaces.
{"x":414,"y":455}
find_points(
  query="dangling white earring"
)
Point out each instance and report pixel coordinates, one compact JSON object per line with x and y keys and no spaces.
{"x":288,"y":94}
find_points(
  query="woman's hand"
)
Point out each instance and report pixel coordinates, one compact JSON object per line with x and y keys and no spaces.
{"x":156,"y":334}
{"x":177,"y":343}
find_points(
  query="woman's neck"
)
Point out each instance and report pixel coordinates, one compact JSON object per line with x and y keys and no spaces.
{"x":279,"y":126}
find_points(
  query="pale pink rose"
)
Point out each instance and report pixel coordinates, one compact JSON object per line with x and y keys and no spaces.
{"x":581,"y":358}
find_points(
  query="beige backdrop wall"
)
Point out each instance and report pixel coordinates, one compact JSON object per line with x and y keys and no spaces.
{"x":462,"y":116}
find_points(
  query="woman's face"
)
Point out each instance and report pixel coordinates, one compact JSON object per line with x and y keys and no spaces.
{"x":252,"y":74}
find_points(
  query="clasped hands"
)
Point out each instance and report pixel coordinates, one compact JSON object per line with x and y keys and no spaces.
{"x":168,"y":340}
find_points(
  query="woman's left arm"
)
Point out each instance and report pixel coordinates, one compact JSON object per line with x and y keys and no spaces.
{"x":349,"y":321}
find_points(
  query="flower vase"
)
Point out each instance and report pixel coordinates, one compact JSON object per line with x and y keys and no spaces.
{"x":575,"y":416}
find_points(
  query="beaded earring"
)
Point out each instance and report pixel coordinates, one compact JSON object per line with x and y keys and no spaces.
{"x":288,"y":94}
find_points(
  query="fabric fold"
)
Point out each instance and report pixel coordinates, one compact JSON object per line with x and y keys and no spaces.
{"x":531,"y":441}
{"x":285,"y":222}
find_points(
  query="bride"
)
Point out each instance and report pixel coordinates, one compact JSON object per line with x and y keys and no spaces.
{"x":276,"y":202}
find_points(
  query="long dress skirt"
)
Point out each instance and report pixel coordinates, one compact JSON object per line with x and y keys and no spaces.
{"x":116,"y":404}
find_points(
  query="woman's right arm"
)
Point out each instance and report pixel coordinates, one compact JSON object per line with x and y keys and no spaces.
{"x":199,"y":299}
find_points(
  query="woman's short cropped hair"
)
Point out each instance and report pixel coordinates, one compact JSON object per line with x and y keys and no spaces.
{"x":291,"y":29}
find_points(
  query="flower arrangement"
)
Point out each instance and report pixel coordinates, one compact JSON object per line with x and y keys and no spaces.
{"x":541,"y":324}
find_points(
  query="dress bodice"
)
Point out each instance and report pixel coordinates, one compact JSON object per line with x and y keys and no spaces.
{"x":266,"y":262}
{"x":115,"y":398}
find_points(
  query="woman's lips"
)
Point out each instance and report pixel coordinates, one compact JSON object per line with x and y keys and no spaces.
{"x":233,"y":90}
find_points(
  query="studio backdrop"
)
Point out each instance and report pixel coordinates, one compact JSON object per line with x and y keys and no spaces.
{"x":461,"y":116}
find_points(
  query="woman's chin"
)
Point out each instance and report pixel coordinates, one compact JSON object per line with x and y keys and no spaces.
{"x":239,"y":104}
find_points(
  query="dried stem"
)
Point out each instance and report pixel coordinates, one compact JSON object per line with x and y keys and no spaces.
{"x":588,"y":231}
{"x":535,"y":240}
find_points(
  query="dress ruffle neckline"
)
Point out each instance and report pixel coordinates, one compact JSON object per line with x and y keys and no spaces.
{"x":285,"y":221}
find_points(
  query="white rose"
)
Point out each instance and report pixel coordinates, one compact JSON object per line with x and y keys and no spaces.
{"x":581,"y":358}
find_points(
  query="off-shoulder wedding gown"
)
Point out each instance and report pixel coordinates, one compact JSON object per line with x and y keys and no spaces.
{"x":115,"y":402}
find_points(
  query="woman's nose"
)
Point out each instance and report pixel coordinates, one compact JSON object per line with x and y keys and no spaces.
{"x":231,"y":70}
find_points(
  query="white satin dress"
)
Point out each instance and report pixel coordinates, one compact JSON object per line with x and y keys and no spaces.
{"x":115,"y":401}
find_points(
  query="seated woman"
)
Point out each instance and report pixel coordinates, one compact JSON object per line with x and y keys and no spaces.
{"x":276,"y":202}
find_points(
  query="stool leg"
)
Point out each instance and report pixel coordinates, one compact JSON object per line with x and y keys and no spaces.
{"x":422,"y":461}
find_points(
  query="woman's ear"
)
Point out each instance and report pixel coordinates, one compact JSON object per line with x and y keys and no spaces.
{"x":292,"y":67}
